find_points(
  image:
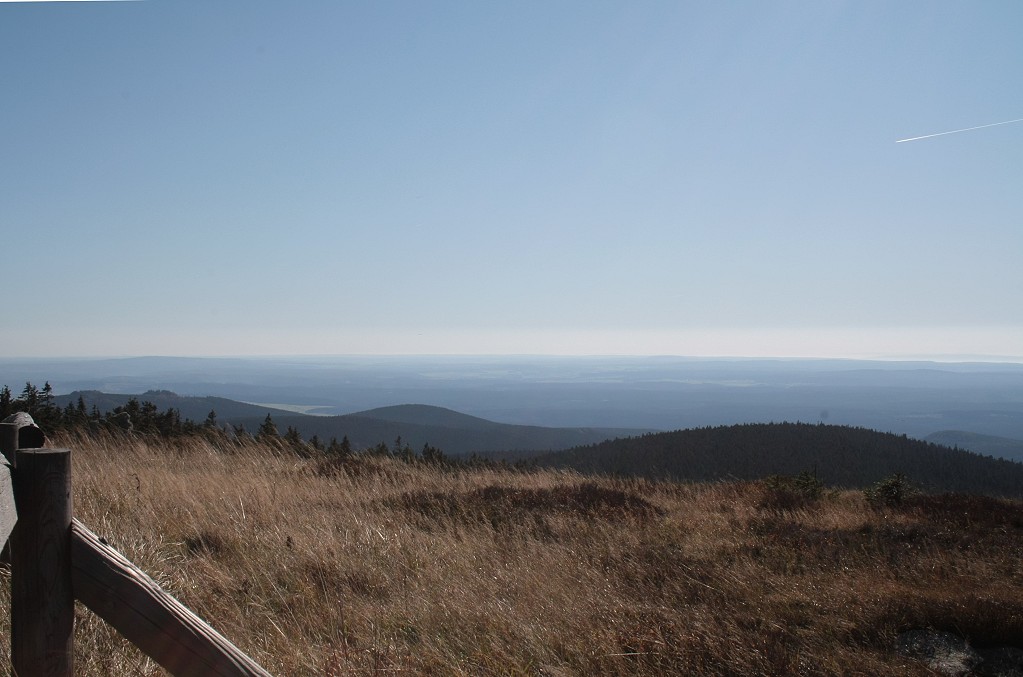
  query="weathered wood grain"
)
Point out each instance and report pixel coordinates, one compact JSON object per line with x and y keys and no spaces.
{"x":42,"y":603}
{"x":8,"y":510}
{"x":8,"y":441}
{"x":19,"y":431}
{"x":136,"y":606}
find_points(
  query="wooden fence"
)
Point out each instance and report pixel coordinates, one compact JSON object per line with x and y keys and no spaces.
{"x":55,"y":560}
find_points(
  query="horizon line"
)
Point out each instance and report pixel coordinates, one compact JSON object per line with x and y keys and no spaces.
{"x":933,"y":358}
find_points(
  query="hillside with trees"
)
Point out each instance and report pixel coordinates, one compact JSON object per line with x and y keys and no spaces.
{"x":990,"y":445}
{"x":188,"y":406}
{"x":837,"y":455}
{"x":457,"y":434}
{"x":167,"y":413}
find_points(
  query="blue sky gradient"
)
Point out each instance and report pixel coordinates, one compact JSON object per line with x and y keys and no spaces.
{"x":692,"y":178}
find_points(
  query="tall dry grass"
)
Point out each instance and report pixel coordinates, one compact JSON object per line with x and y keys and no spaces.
{"x":379,"y":566}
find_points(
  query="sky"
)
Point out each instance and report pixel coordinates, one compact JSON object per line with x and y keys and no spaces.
{"x":569,"y":177}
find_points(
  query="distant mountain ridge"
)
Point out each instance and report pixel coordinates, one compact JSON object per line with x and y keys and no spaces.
{"x":454,"y":433}
{"x":424,"y":414}
{"x":417,"y":424}
{"x":838,"y":455}
{"x":651,"y":393}
{"x":191,"y":407}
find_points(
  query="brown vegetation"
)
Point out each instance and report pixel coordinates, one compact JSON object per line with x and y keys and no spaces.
{"x":383,"y":565}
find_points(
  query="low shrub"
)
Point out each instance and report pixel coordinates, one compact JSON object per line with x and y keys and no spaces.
{"x":790,"y":492}
{"x":889,"y":492}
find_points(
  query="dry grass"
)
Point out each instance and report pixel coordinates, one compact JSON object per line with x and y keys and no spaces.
{"x":381,"y":566}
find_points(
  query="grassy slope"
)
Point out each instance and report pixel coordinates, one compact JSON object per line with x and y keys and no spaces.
{"x":377,"y":565}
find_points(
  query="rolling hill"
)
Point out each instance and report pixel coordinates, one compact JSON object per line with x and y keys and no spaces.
{"x":839,"y":455}
{"x":420,"y":414}
{"x":190,"y":407}
{"x":650,"y":393}
{"x":452,"y":432}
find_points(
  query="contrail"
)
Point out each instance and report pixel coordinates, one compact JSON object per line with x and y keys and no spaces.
{"x":956,"y":131}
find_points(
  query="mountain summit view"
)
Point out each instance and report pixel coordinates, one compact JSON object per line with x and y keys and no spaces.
{"x":639,"y":394}
{"x":533,"y":338}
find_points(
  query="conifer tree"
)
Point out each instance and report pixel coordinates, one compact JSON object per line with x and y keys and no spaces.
{"x":29,"y":397}
{"x":342,"y":449}
{"x":268,"y":430}
{"x":293,"y":437}
{"x":6,"y":402}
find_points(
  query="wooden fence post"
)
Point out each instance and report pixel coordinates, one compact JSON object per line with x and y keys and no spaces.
{"x":19,"y":431}
{"x":8,"y":441}
{"x":42,"y":600}
{"x":16,"y":431}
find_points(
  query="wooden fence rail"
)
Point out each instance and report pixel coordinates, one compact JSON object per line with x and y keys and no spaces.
{"x":55,"y":560}
{"x":125,"y":597}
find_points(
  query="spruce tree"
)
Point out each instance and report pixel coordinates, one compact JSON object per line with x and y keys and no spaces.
{"x":268,"y":430}
{"x":6,"y":402}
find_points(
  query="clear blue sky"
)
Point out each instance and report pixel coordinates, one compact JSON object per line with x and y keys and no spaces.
{"x":693,"y":178}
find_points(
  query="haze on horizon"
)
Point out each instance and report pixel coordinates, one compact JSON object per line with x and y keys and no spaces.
{"x":705,"y":179}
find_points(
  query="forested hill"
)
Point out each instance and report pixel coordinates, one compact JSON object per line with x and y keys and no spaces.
{"x":454,"y":433}
{"x":1002,"y":447}
{"x":840,"y":456}
{"x":188,"y":406}
{"x":417,"y":425}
